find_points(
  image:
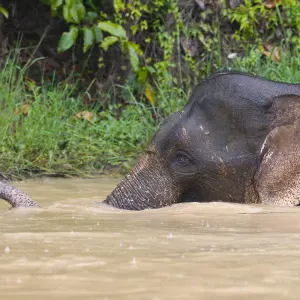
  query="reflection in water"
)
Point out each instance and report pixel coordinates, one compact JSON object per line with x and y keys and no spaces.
{"x":75,"y":249}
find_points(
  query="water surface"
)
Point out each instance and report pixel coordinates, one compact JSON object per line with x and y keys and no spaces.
{"x":75,"y":249}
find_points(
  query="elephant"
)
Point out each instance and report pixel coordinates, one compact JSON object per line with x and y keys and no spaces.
{"x":237,"y":139}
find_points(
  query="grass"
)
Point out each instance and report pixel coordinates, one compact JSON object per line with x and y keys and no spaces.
{"x":286,"y":70}
{"x":44,"y":130}
{"x":48,"y":131}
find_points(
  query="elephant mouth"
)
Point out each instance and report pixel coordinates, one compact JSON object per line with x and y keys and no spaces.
{"x":111,"y":200}
{"x":128,"y":204}
{"x":191,"y":196}
{"x":136,"y":199}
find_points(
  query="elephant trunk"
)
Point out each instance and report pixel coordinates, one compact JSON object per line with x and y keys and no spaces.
{"x":16,"y":197}
{"x":148,"y":185}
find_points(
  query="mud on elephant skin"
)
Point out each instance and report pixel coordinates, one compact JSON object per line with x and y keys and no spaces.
{"x":236,"y":140}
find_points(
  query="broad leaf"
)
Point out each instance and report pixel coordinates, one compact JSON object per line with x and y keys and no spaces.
{"x":66,"y":13}
{"x":68,"y":39}
{"x":136,"y":47}
{"x":80,"y":11}
{"x":113,"y":29}
{"x":134,"y":29}
{"x":91,"y":16}
{"x":133,"y":56}
{"x":97,"y":34}
{"x":108,"y":41}
{"x":70,"y":3}
{"x":150,"y":69}
{"x":3,"y":11}
{"x":77,"y":11}
{"x":88,"y":38}
{"x":74,"y":13}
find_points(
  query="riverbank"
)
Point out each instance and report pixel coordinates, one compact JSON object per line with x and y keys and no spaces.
{"x":48,"y":130}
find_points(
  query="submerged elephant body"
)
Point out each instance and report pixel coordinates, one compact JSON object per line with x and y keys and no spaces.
{"x":236,"y":140}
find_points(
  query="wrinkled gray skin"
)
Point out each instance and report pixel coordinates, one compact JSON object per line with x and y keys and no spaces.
{"x":236,"y":140}
{"x":16,"y":197}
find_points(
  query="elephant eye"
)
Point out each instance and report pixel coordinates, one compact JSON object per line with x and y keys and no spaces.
{"x":182,"y":160}
{"x":184,"y":164}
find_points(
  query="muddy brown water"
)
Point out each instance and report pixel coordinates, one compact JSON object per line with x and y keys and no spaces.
{"x":75,"y":249}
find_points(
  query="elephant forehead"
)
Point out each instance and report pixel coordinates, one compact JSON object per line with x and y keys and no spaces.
{"x":205,"y":140}
{"x":186,"y":132}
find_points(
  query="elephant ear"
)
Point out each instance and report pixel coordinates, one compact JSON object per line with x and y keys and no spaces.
{"x":277,"y":180}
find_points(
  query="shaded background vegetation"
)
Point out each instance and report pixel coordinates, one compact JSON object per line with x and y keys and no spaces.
{"x":84,"y":84}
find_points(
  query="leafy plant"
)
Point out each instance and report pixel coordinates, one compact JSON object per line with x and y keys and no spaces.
{"x":261,"y":20}
{"x":154,"y":36}
{"x":75,"y":13}
{"x":173,"y":42}
{"x":3,"y":11}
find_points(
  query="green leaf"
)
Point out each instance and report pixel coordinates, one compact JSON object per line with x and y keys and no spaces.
{"x":142,"y":75}
{"x":80,"y":11}
{"x":55,"y":4}
{"x":113,"y":29}
{"x":150,"y":69}
{"x":66,"y":13}
{"x":134,"y":29}
{"x":133,"y":56}
{"x":74,"y":14}
{"x":70,"y":3}
{"x":118,"y":5}
{"x":97,"y":34}
{"x":136,"y":48}
{"x":3,"y":11}
{"x":68,"y":39}
{"x":108,"y":41}
{"x":88,"y":38}
{"x":91,"y":16}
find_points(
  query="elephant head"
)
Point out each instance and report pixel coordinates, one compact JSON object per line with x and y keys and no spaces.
{"x":235,"y":140}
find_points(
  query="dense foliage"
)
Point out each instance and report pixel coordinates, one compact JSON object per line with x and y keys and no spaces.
{"x":173,"y":41}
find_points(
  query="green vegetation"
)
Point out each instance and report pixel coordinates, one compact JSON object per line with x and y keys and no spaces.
{"x":46,"y":130}
{"x":285,"y":70}
{"x":163,"y":37}
{"x":140,"y":43}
